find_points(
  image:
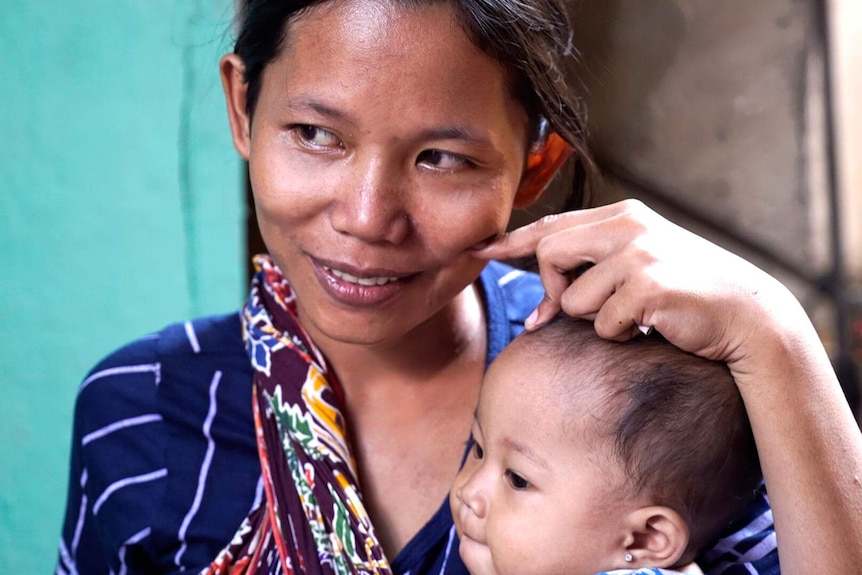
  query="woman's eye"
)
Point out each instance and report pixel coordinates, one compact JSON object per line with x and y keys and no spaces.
{"x":441,"y":160}
{"x":516,"y":481}
{"x":317,"y":137}
{"x":478,"y":452}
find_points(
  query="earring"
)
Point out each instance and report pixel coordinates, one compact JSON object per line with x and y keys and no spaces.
{"x":629,"y":558}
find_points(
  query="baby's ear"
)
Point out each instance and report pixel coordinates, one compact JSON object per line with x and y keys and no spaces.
{"x":543,"y":163}
{"x":657,"y":536}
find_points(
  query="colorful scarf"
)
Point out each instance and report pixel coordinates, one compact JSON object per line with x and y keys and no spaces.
{"x":312,"y":520}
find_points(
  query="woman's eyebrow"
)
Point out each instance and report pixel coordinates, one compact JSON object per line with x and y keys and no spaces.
{"x":454,"y":133}
{"x":318,"y":107}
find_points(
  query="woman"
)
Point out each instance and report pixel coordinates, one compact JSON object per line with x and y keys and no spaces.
{"x":388,"y":142}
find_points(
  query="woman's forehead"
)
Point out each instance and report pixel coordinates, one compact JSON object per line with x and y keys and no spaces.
{"x":413,"y":60}
{"x":362,"y":25}
{"x":368,"y":37}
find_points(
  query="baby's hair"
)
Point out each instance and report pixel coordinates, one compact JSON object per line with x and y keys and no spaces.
{"x":531,"y":39}
{"x":676,"y":421}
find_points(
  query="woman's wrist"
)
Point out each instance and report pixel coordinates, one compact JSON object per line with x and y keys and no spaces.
{"x":778,"y":344}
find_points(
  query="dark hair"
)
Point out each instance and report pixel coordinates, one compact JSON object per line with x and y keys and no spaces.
{"x":677,"y":422}
{"x":531,"y":39}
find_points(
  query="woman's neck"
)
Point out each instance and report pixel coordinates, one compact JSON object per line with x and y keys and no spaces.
{"x":409,"y":404}
{"x":455,"y":336}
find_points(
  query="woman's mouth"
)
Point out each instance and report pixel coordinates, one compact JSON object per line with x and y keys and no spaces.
{"x":361,"y":288}
{"x":363,"y":281}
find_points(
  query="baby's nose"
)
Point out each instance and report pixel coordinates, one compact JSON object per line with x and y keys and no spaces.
{"x":472,"y":496}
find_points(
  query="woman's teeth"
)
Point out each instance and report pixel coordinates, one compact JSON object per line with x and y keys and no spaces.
{"x":373,"y":281}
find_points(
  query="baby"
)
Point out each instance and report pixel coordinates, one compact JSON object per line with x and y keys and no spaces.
{"x":591,"y":456}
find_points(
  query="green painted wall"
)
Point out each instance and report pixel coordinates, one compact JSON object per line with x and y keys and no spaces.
{"x":120,"y":211}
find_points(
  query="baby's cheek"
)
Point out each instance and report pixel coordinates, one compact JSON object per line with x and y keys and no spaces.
{"x":512,"y":550}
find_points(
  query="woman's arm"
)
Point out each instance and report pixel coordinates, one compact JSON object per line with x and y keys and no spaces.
{"x":708,"y":301}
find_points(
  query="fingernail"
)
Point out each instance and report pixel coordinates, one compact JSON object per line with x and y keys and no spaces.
{"x":530,"y":322}
{"x":645,"y":329}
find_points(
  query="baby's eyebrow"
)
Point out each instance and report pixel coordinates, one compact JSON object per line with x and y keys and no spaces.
{"x":526,"y":451}
{"x":476,"y":419}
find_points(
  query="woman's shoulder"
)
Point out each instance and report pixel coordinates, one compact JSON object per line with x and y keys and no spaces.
{"x":216,"y":334}
{"x":152,"y":420}
{"x":193,"y":340}
{"x":133,"y":381}
{"x":510,"y":295}
{"x":515,"y":290}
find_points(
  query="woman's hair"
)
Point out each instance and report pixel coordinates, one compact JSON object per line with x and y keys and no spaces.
{"x":675,"y":421}
{"x":530,"y":38}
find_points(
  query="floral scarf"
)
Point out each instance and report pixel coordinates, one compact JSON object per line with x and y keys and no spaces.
{"x":312,"y":520}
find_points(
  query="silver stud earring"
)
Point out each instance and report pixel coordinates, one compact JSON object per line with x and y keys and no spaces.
{"x":629,"y":558}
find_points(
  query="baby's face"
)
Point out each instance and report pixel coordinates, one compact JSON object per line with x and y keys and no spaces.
{"x":538,"y":494}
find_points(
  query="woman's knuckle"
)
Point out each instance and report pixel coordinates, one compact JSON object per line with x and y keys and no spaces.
{"x":633,"y":206}
{"x":642,"y":251}
{"x":549,"y":298}
{"x":544,"y":248}
{"x":569,"y":302}
{"x":546,"y":224}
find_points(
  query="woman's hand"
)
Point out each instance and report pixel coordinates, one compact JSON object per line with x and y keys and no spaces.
{"x":647,"y":271}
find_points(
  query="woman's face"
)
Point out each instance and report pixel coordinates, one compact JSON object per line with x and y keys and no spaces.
{"x":384,"y":144}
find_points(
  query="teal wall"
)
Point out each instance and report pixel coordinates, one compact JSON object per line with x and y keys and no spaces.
{"x":120,"y":211}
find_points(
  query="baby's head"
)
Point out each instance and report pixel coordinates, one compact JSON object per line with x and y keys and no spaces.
{"x":589,"y":453}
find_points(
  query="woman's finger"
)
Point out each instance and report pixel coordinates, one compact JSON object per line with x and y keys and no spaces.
{"x":560,"y":263}
{"x":604,"y":291}
{"x":563,"y":255}
{"x":524,"y":241}
{"x":620,"y":316}
{"x":555,"y":278}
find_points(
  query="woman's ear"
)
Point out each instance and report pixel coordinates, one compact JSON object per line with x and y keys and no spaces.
{"x":657,"y":536}
{"x":232,"y":72}
{"x":543,"y":162}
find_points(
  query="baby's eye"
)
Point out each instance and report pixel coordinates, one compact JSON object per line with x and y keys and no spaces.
{"x":516,"y":481}
{"x":441,"y":160}
{"x":478,"y":452}
{"x":316,"y":137}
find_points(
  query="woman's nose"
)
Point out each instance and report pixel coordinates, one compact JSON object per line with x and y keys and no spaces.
{"x":371,"y":204}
